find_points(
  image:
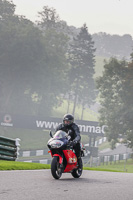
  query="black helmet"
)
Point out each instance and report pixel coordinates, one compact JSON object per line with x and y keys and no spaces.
{"x":69,"y":119}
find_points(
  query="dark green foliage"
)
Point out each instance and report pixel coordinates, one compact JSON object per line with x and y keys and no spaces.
{"x":81,"y":59}
{"x":116,"y":92}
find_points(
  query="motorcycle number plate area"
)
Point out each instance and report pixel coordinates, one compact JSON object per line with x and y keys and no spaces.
{"x":71,"y":160}
{"x":70,"y":156}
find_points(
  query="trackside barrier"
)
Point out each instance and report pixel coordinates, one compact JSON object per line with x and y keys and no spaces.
{"x":9,"y":148}
{"x":109,"y":159}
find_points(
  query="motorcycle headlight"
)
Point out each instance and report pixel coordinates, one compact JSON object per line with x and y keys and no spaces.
{"x":56,"y":144}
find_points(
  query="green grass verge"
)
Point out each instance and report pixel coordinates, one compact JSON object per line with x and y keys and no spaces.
{"x":100,"y":169}
{"x":118,"y":166}
{"x":11,"y":165}
{"x":115,"y":167}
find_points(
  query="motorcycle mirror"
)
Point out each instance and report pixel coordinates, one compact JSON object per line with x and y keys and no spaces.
{"x":51,"y":134}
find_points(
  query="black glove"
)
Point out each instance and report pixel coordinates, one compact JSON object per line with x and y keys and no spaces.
{"x":73,"y":143}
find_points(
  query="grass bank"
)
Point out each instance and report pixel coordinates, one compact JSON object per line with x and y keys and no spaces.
{"x":89,"y":114}
{"x":121,"y":166}
{"x":11,"y":165}
{"x":117,"y":167}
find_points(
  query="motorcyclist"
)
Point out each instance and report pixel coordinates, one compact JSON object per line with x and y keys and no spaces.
{"x":72,"y":128}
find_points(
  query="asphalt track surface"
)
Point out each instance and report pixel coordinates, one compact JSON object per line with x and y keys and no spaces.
{"x":39,"y":184}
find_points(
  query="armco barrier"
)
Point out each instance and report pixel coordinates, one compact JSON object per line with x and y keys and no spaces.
{"x":9,"y":148}
{"x":33,"y":153}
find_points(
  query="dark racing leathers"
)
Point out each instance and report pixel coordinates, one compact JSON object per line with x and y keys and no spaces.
{"x":74,"y":132}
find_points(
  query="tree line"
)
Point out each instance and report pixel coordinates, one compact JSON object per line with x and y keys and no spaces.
{"x":41,"y":62}
{"x":113,"y":45}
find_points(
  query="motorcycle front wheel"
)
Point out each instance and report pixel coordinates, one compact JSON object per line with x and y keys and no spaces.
{"x":56,"y":170}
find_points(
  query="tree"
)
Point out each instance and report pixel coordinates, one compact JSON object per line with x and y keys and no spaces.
{"x":49,"y":18}
{"x":56,"y":42}
{"x":81,"y":59}
{"x":113,"y":45}
{"x":127,"y":98}
{"x":7,"y":9}
{"x":116,"y":93}
{"x":25,"y":65}
{"x":20,"y":52}
{"x":55,"y":70}
{"x":32,"y":64}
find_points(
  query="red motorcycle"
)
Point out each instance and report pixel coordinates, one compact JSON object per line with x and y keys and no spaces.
{"x":64,"y":158}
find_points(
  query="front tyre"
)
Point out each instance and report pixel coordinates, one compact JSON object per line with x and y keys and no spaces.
{"x":78,"y":172}
{"x":56,"y":170}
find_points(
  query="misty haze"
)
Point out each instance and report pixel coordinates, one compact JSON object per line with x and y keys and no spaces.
{"x":49,"y":68}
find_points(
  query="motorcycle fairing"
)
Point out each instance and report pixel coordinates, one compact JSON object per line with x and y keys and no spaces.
{"x":71,"y":160}
{"x":60,"y":158}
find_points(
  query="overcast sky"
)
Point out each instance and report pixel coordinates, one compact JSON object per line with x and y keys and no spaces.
{"x":110,"y":16}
